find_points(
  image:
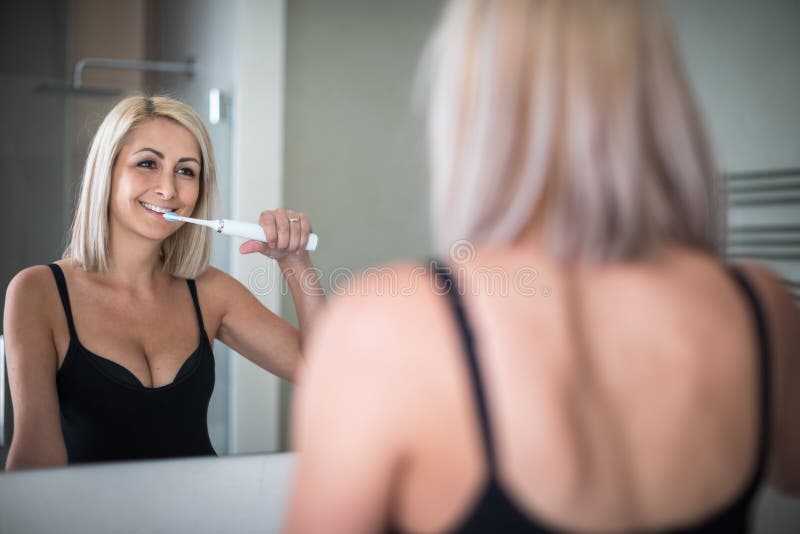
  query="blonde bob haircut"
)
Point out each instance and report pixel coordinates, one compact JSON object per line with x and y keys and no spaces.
{"x":185,"y":253}
{"x":572,"y":118}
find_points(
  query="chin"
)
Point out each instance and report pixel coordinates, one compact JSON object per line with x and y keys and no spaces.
{"x":155,"y":234}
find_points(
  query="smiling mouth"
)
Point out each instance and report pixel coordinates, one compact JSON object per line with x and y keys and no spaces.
{"x":156,"y":209}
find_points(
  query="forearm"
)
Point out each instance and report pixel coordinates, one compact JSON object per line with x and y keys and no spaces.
{"x":29,"y":454}
{"x":303,"y":281}
{"x":18,"y":462}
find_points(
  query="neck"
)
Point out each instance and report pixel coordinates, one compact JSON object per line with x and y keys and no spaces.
{"x":134,"y":262}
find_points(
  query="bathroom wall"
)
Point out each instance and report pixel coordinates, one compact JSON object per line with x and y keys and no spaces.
{"x":355,"y":156}
{"x":742,"y":57}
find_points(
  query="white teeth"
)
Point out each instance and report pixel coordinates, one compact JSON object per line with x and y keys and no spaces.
{"x":153,"y":207}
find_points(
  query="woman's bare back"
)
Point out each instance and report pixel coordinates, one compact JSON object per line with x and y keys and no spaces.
{"x":626,"y":398}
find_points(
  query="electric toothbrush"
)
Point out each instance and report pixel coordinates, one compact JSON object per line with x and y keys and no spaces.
{"x":235,"y":228}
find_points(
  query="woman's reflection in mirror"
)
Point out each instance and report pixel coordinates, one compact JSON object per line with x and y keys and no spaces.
{"x":110,"y":347}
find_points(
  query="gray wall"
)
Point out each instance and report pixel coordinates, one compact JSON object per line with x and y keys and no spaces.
{"x":742,"y":57}
{"x":355,"y":156}
{"x":354,"y":148}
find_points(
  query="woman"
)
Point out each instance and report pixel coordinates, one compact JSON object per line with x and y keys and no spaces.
{"x":637,"y":384}
{"x":110,"y":348}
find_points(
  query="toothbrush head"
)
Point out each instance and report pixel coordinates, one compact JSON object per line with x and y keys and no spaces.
{"x":172,"y":217}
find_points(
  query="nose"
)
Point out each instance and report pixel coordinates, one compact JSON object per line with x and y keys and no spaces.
{"x":165,"y":188}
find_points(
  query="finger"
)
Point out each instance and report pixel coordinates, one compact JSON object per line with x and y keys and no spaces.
{"x":305,"y":229}
{"x":282,"y":224}
{"x":267,"y":222}
{"x":248,"y":247}
{"x":295,"y":231}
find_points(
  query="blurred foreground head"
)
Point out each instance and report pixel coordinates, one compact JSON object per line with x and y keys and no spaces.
{"x":569,"y":120}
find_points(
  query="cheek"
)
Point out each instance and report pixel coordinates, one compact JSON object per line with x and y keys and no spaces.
{"x":190,"y":192}
{"x":123,"y":186}
{"x":118,"y":191}
{"x":123,"y":191}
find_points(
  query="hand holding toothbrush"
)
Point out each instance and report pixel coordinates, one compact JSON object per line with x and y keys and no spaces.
{"x":287,"y":233}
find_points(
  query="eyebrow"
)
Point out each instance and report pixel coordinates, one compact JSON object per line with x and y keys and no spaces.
{"x":153,"y":150}
{"x":161,"y":155}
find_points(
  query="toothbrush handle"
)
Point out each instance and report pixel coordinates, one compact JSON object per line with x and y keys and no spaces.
{"x":254,"y":231}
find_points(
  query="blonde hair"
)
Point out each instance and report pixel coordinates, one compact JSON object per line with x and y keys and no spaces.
{"x":575,"y":114}
{"x":186,"y":252}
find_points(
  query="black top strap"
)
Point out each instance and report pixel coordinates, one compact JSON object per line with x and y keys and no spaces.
{"x":193,"y":291}
{"x":61,"y":282}
{"x":764,"y":352}
{"x":446,"y":283}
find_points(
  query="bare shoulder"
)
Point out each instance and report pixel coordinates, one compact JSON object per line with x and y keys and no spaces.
{"x":32,"y":278}
{"x":380,"y":302}
{"x":373,"y":323}
{"x":33,"y":287}
{"x":367,"y":357}
{"x":212,"y":276}
{"x":216,"y":284}
{"x":222,"y":296}
{"x":32,"y":309}
{"x":376,"y":307}
{"x":353,"y":416}
{"x":404,"y":284}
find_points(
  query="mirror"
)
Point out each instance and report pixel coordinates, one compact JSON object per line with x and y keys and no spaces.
{"x":322,"y":121}
{"x":311,"y":105}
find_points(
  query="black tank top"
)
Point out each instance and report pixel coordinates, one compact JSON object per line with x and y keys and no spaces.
{"x":108,"y":415}
{"x":494,"y":511}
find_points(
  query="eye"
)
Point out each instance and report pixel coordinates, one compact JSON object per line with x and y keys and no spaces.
{"x":147,"y":164}
{"x":186,"y":171}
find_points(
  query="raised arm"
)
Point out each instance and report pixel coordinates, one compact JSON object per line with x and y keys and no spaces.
{"x":303,"y":281}
{"x":248,"y":327}
{"x":286,"y":232}
{"x":32,"y":359}
{"x":254,"y":331}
